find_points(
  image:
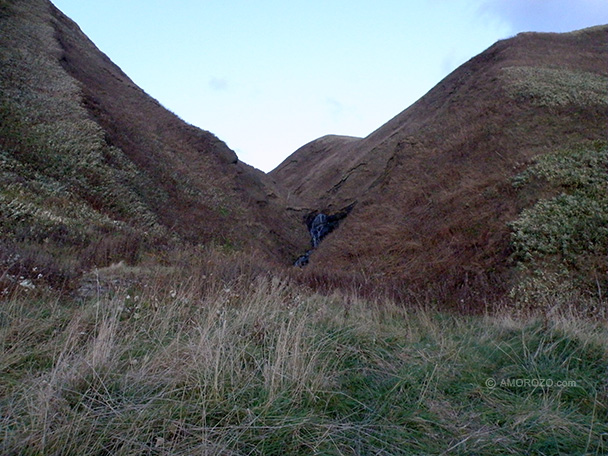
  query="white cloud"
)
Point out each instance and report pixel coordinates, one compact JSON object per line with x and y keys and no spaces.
{"x":218,"y":84}
{"x":547,"y":15}
{"x":335,"y":106}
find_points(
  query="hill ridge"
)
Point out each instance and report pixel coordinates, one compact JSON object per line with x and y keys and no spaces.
{"x":409,"y":118}
{"x":94,"y":171}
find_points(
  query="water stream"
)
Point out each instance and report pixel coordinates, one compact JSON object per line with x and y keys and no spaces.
{"x":319,"y":226}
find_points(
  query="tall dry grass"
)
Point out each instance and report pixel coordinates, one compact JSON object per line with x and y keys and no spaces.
{"x":223,"y":358}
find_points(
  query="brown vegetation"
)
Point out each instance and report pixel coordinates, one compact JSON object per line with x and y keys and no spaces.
{"x":433,"y":187}
{"x":94,"y":171}
{"x":180,"y":335}
{"x":216,"y":356}
{"x":94,"y":168}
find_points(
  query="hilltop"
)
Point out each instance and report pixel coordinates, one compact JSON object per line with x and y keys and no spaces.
{"x":432,"y":189}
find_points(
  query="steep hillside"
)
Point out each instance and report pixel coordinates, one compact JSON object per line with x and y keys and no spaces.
{"x":92,"y":169}
{"x":433,"y":187}
{"x":309,"y":171}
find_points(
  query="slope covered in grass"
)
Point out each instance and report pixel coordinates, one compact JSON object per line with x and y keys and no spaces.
{"x":560,"y":242}
{"x":431,"y":188}
{"x":93,"y":170}
{"x":229,"y":361}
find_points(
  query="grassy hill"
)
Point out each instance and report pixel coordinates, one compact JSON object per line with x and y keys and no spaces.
{"x":94,"y":171}
{"x":433,"y":194}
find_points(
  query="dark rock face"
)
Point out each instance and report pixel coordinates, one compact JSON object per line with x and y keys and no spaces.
{"x":319,"y":226}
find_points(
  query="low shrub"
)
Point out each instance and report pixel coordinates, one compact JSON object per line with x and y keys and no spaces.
{"x":561,"y":242}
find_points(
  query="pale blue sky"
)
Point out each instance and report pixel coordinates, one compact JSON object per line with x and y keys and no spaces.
{"x":268,"y":76}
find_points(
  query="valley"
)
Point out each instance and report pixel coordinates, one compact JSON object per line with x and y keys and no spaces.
{"x":437,"y":287}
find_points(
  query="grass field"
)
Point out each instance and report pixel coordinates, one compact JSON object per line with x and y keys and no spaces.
{"x":227,"y":361}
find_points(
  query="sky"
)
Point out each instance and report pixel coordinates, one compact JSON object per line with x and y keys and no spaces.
{"x":268,"y":76}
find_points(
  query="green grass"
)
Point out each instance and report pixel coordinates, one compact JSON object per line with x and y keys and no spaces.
{"x":209,"y":354}
{"x":560,"y":242}
{"x":553,"y":87}
{"x":176,"y":364}
{"x":63,"y":188}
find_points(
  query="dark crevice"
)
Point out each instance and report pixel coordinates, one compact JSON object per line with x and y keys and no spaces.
{"x":320,"y":225}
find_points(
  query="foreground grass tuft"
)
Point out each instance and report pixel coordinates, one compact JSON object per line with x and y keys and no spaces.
{"x":258,"y":366}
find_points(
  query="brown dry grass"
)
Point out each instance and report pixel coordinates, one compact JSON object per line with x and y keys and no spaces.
{"x":433,"y":185}
{"x":210,"y":195}
{"x":94,"y":171}
{"x":218,"y":357}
